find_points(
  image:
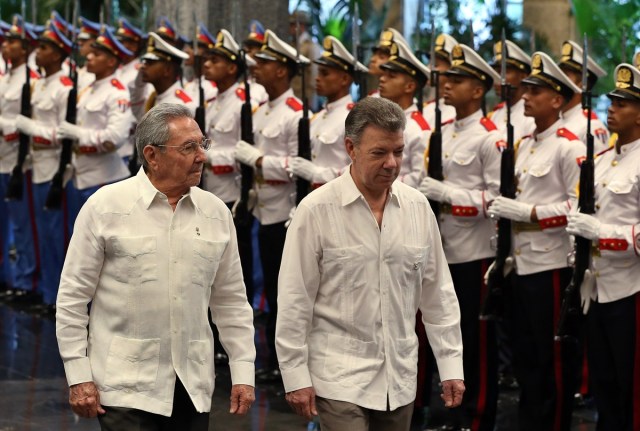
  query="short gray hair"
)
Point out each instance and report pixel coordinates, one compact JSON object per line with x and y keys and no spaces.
{"x":373,"y":111}
{"x":153,"y":129}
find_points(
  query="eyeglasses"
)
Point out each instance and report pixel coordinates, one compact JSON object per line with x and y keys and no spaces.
{"x":190,"y":147}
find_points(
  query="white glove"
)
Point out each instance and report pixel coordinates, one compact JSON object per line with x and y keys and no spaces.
{"x":510,"y":209}
{"x":587,"y":287}
{"x":247,"y":153}
{"x":436,"y":190}
{"x":303,"y":168}
{"x":26,"y":125}
{"x":67,"y":130}
{"x":508,"y":267}
{"x":291,"y":214}
{"x":584,"y":225}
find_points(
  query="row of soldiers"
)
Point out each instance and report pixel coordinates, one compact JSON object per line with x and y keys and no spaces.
{"x":116,"y":88}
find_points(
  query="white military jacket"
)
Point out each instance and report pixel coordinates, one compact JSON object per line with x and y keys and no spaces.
{"x":616,"y":265}
{"x":416,"y":135}
{"x":210,"y":90}
{"x":151,"y":275}
{"x":447,"y":112}
{"x":275,"y":126}
{"x":471,"y":153}
{"x":522,"y":125}
{"x":327,"y":140}
{"x":127,"y":75}
{"x":547,"y":173}
{"x":10,"y":97}
{"x":49,"y":101}
{"x":575,"y":119}
{"x":104,"y":111}
{"x":221,"y":175}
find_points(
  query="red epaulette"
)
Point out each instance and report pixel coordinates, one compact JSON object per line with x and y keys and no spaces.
{"x":294,"y":104}
{"x":117,"y":84}
{"x":594,"y":116}
{"x":499,"y":106}
{"x":449,"y":121}
{"x":566,"y":133}
{"x":66,"y":81}
{"x":418,"y":118}
{"x":33,"y":74}
{"x":241,"y":94}
{"x":180,"y":94}
{"x":488,"y":124}
{"x":350,"y":106}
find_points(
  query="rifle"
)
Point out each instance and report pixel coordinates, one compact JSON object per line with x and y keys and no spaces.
{"x":16,"y":180}
{"x":419,"y":91}
{"x":197,"y":66}
{"x":493,"y":302}
{"x":570,"y":313}
{"x":434,"y":168}
{"x":241,"y":208}
{"x":355,"y":51}
{"x":304,"y":138}
{"x":133,"y":160}
{"x":56,"y":191}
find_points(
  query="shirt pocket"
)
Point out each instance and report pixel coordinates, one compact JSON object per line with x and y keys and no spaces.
{"x":132,"y":364}
{"x":620,"y":187}
{"x":545,"y":242}
{"x":329,"y":138}
{"x":200,"y":367}
{"x":344,"y":275}
{"x":272,"y":131}
{"x":224,"y":126}
{"x":407,"y":360}
{"x":135,"y":259}
{"x":96,"y":109}
{"x":540,"y":170}
{"x":206,"y":260}
{"x":463,"y":158}
{"x":350,"y":361}
{"x":413,"y":264}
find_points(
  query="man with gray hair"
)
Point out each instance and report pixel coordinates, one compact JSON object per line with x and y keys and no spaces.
{"x":152,"y":254}
{"x":362,"y":256}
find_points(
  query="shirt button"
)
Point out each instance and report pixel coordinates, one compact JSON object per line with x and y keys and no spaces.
{"x":614,"y":163}
{"x":517,"y":252}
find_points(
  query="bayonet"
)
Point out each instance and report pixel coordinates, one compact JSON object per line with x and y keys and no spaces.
{"x":355,"y":46}
{"x":434,"y":167}
{"x":472,"y":35}
{"x":304,"y":138}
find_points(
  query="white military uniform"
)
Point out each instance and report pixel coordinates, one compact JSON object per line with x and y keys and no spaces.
{"x":547,"y":173}
{"x":575,"y":119}
{"x":328,"y":152}
{"x":416,"y":136}
{"x":223,"y":127}
{"x":49,"y":101}
{"x":522,"y":125}
{"x":471,"y":153}
{"x":85,"y":78}
{"x":276,"y":134}
{"x":127,"y":74}
{"x":103,"y":108}
{"x":210,"y":90}
{"x":447,"y":112}
{"x":259,"y":95}
{"x":10,"y":96}
{"x":617,"y":180}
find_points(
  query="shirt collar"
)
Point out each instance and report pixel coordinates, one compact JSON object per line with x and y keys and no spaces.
{"x":230,"y":90}
{"x":98,"y":83}
{"x":280,"y":99}
{"x":55,"y":76}
{"x":546,"y":133}
{"x":573,"y":111}
{"x":17,"y":70}
{"x":468,"y":121}
{"x":350,"y":192}
{"x":176,"y":85}
{"x":149,"y":193}
{"x":343,"y":101}
{"x":412,"y":108}
{"x":630,"y":147}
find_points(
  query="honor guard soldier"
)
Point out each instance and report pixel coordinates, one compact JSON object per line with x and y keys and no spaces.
{"x":87,"y":35}
{"x":204,"y":41}
{"x":133,"y":39}
{"x":251,"y":45}
{"x":161,"y":68}
{"x":17,"y":213}
{"x":547,"y":171}
{"x":381,"y":53}
{"x":103,"y":124}
{"x":275,"y":126}
{"x":402,"y":76}
{"x":224,"y":66}
{"x":518,"y":68}
{"x":610,"y":291}
{"x":471,"y":151}
{"x":573,"y":115}
{"x":443,"y":46}
{"x":49,"y":102}
{"x":336,"y":70}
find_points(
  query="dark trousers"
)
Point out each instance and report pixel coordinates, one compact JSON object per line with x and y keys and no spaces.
{"x":480,"y":353}
{"x":545,"y":368}
{"x":245,"y":249}
{"x":184,"y":416}
{"x":614,"y":360}
{"x":271,"y":239}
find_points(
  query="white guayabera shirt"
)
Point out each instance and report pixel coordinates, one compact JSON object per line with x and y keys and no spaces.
{"x":349,"y":292}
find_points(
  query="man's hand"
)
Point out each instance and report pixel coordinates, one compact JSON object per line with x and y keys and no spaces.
{"x":247,"y":153}
{"x":85,"y":400}
{"x":26,"y":125}
{"x":67,"y":130}
{"x":303,"y":402}
{"x":303,"y":168}
{"x":584,"y":225}
{"x":511,"y":209}
{"x":436,"y":190}
{"x":242,"y":396}
{"x":452,"y":391}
